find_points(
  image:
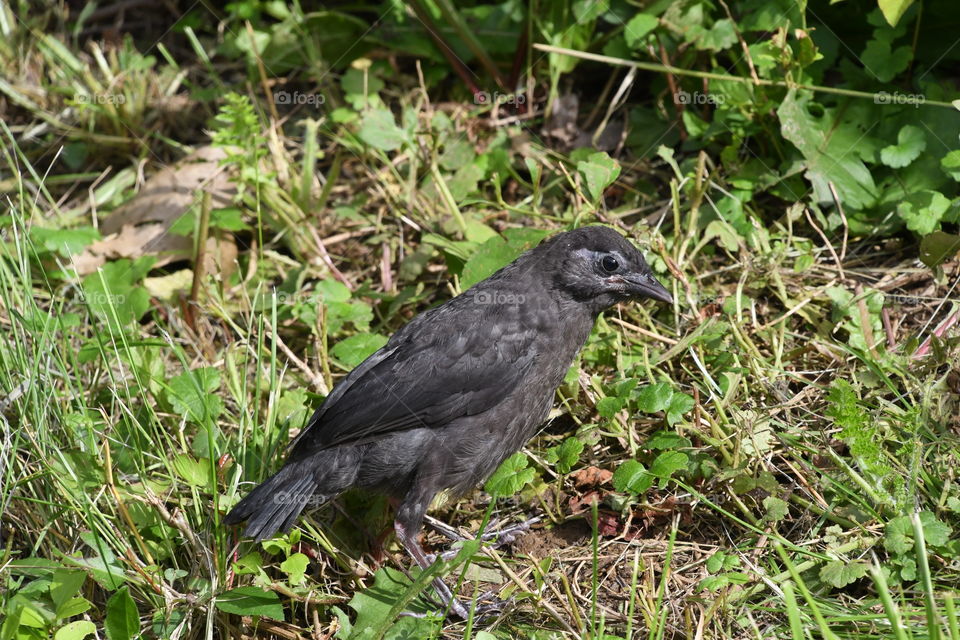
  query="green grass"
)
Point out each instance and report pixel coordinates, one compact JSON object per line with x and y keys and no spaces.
{"x":768,"y":458}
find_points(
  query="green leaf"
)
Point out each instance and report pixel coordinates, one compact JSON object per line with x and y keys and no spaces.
{"x":899,"y":533}
{"x":777,"y":509}
{"x":228,"y":219}
{"x":721,"y":35}
{"x":65,"y":584}
{"x":599,"y":171}
{"x":950,"y":164}
{"x":566,"y":455}
{"x":73,"y":607}
{"x":374,"y":607}
{"x":66,"y":242}
{"x":680,"y":403}
{"x":840,"y":573}
{"x":251,"y":601}
{"x":112,"y":295}
{"x":884,"y":60}
{"x":193,"y":394}
{"x":722,"y":561}
{"x":654,"y":397}
{"x":331,"y":290}
{"x":357,"y":348}
{"x":380,"y":130}
{"x":511,"y":476}
{"x":893,"y":10}
{"x":923,"y":210}
{"x":609,"y":406}
{"x":938,"y":247}
{"x":498,"y":252}
{"x":668,"y":463}
{"x":666,"y":440}
{"x":76,"y":630}
{"x":822,"y":142}
{"x":195,"y":473}
{"x":635,"y":31}
{"x":910,"y":144}
{"x":631,"y":477}
{"x":296,"y":568}
{"x":589,"y":10}
{"x":122,"y":621}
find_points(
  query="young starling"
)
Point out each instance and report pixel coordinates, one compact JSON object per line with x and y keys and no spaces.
{"x":457,"y":390}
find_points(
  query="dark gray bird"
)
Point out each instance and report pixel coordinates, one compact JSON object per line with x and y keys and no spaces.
{"x":457,"y":390}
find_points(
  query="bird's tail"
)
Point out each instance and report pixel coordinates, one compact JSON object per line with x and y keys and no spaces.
{"x":275,"y":504}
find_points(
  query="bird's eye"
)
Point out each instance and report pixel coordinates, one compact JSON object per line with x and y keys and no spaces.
{"x":609,"y":264}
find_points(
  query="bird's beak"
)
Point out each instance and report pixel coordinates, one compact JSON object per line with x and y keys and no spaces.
{"x":646,"y":286}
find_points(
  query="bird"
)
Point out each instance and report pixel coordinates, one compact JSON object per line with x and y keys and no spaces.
{"x":455,"y":391}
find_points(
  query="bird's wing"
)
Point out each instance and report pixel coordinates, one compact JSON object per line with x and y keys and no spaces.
{"x":453,"y":361}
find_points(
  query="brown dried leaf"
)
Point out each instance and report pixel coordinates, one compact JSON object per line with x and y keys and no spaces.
{"x":141,"y":226}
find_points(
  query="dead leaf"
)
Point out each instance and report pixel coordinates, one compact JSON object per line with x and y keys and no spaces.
{"x":141,"y":226}
{"x":591,"y":477}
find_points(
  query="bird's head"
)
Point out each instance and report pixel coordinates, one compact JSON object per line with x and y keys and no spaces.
{"x":598,"y":266}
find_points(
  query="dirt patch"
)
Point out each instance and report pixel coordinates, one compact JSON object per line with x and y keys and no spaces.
{"x":542,"y":542}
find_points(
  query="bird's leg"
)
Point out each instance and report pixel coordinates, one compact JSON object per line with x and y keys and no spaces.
{"x":410,"y":543}
{"x":498,"y":537}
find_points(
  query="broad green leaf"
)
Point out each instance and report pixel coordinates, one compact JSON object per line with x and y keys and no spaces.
{"x":654,"y":397}
{"x":680,"y":403}
{"x":898,"y":534}
{"x":122,"y":621}
{"x":589,"y":10}
{"x":720,"y":36}
{"x":636,"y":30}
{"x":631,"y":477}
{"x":76,"y":630}
{"x":777,"y":509}
{"x":910,"y":144}
{"x":668,"y":463}
{"x":816,"y":137}
{"x":375,"y":606}
{"x":950,"y":164}
{"x":609,"y":406}
{"x":495,"y":253}
{"x":113,"y":295}
{"x":923,"y":210}
{"x":66,"y":583}
{"x":840,"y":573}
{"x":251,"y":601}
{"x":566,"y":455}
{"x":195,"y":473}
{"x":357,"y":348}
{"x":228,"y":219}
{"x":511,"y":476}
{"x":193,"y":394}
{"x":893,"y":10}
{"x":938,"y":247}
{"x":66,"y":242}
{"x":666,"y":440}
{"x":599,"y":171}
{"x":884,"y":60}
{"x":296,"y":568}
{"x":380,"y":130}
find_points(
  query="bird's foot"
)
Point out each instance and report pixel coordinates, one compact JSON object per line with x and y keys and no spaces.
{"x":496,"y":538}
{"x":487,"y":606}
